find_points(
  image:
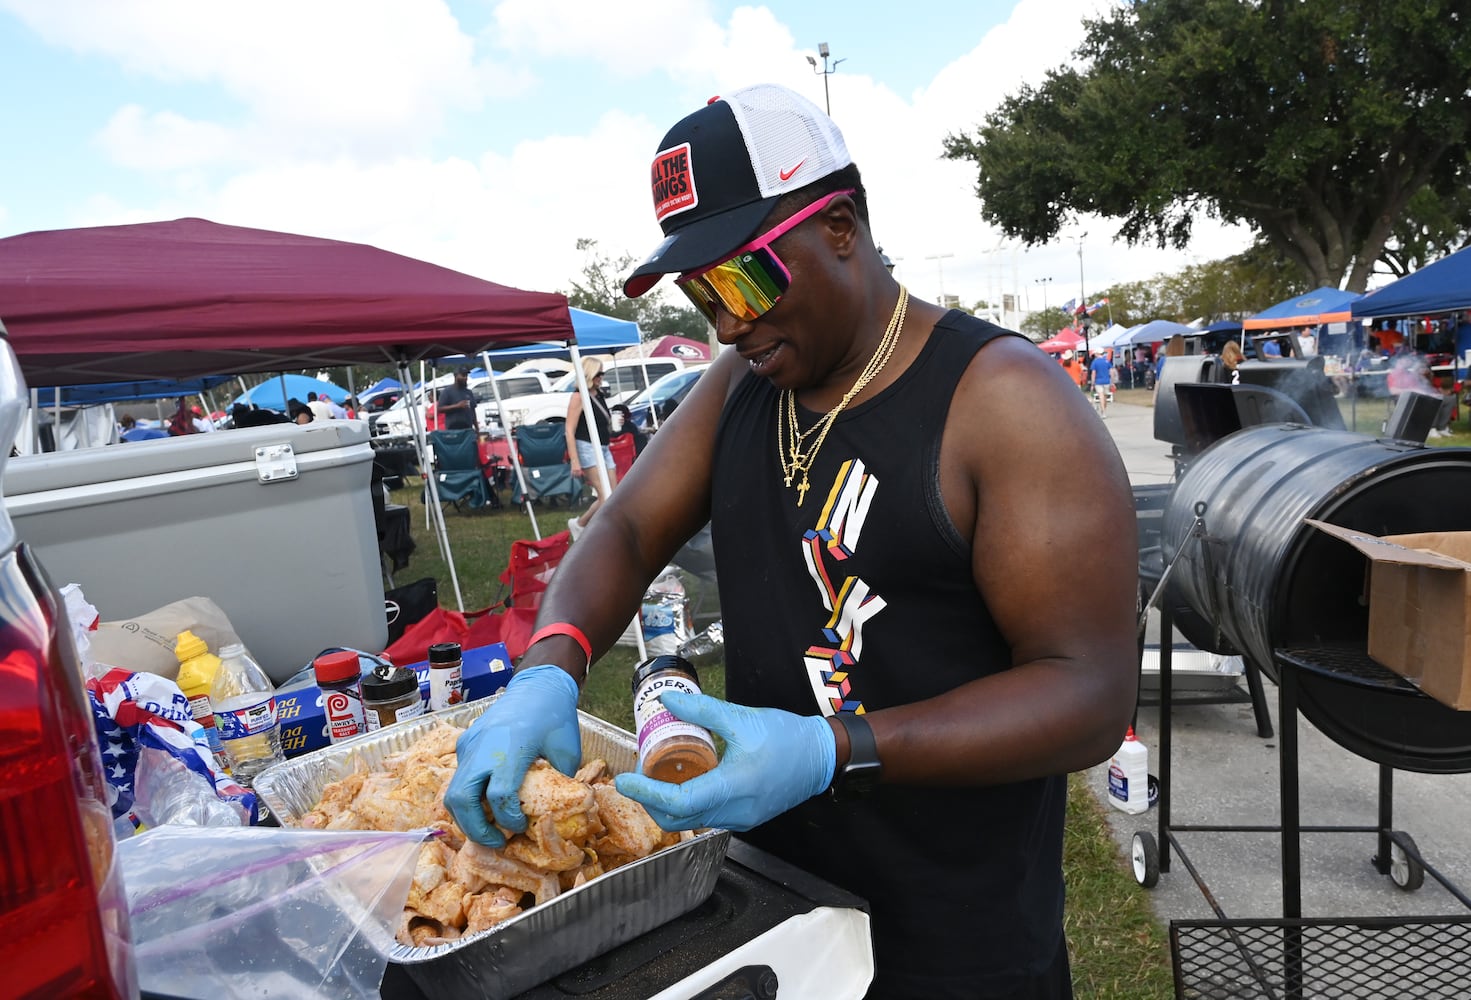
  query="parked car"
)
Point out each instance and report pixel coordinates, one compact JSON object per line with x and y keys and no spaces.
{"x":622,"y":380}
{"x":664,"y":395}
{"x":61,"y":875}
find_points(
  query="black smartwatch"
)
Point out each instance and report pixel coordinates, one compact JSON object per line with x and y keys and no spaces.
{"x":860,"y":776}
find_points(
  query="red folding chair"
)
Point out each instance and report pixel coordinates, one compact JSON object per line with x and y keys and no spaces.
{"x":529,"y":571}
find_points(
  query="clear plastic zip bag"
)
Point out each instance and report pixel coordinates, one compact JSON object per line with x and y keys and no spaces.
{"x":264,"y":911}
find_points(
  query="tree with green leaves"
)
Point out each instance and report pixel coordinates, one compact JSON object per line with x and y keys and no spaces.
{"x":1324,"y":125}
{"x":601,"y":291}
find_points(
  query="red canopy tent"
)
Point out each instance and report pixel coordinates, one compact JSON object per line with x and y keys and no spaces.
{"x":1064,"y":340}
{"x":179,"y":299}
{"x":187,"y":298}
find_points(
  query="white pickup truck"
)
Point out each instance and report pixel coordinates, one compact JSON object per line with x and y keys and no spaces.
{"x":530,"y":394}
{"x":623,"y":380}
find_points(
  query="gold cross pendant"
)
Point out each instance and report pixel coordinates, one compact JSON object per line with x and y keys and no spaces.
{"x":802,"y":489}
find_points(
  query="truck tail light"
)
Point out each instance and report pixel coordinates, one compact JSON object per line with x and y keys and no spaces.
{"x":63,"y":912}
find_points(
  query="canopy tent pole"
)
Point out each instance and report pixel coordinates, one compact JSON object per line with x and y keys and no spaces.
{"x":55,"y":418}
{"x":511,"y":446}
{"x":285,"y":399}
{"x":436,"y":514}
{"x":604,"y":487}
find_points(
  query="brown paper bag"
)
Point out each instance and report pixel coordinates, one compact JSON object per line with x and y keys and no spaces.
{"x":146,"y":642}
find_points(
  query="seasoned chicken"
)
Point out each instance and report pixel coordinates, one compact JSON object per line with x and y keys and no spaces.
{"x":577,"y":829}
{"x":477,"y":866}
{"x":486,"y":909}
{"x":632,"y":832}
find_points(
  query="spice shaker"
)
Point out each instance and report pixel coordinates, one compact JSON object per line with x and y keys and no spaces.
{"x":339,"y":675}
{"x":446,"y":678}
{"x":669,"y":749}
{"x":391,"y":694}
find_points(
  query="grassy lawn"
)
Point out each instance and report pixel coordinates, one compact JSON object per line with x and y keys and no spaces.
{"x":1119,"y":950}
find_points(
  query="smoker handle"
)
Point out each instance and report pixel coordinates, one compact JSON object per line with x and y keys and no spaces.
{"x":1197,"y":530}
{"x":751,"y":982}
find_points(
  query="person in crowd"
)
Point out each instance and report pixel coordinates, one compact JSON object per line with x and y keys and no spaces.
{"x":1101,"y":371}
{"x":350,"y":407}
{"x":202,"y":423}
{"x":1271,"y":350}
{"x":626,"y":440}
{"x":321,"y":409}
{"x":182,"y":422}
{"x":302,"y":413}
{"x":455,"y":404}
{"x":1074,"y":368}
{"x":1231,"y":356}
{"x":903,"y":709}
{"x":1307,"y":343}
{"x":1174,"y":348}
{"x":580,"y":450}
{"x":130,"y":430}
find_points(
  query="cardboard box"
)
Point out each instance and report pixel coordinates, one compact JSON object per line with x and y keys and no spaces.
{"x":486,"y":669}
{"x":1419,"y":607}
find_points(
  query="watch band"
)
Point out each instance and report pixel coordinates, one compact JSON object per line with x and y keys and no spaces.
{"x":860,"y":775}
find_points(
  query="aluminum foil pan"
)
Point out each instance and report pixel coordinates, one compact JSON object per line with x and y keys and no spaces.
{"x":546,"y":940}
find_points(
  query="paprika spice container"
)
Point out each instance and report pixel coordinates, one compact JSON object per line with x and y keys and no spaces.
{"x":669,"y":749}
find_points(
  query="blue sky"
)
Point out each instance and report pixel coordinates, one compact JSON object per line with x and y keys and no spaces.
{"x":489,"y":135}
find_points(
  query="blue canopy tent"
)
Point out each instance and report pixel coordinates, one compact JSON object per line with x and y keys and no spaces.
{"x":123,"y":392}
{"x":378,"y":388}
{"x":1444,"y":286}
{"x":1157,"y":330}
{"x":1317,"y":308}
{"x":594,"y":333}
{"x":268,"y":395}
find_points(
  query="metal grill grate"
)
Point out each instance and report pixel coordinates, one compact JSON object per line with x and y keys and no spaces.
{"x":1379,"y":958}
{"x":1346,"y":661}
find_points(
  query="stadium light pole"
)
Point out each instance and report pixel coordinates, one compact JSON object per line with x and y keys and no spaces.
{"x":825,"y":72}
{"x":1083,"y":296}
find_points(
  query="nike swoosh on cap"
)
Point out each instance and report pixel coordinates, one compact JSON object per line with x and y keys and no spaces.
{"x":786,"y":175}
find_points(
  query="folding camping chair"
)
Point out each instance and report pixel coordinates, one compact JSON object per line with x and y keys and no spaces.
{"x":527,"y":574}
{"x":544,"y":464}
{"x":458,"y":475}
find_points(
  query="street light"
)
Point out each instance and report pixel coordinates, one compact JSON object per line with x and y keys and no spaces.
{"x":939,"y":259}
{"x":825,"y":72}
{"x":1083,"y":296}
{"x":1044,"y":282}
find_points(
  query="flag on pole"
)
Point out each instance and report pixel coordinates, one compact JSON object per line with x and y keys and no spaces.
{"x":1069,"y":306}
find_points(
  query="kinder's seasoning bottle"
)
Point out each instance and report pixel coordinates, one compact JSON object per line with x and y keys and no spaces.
{"x":668,"y":748}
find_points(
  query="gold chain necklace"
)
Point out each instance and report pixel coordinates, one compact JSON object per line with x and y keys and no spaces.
{"x":789,"y":445}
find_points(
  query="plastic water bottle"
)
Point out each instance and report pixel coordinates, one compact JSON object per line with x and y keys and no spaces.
{"x":1128,"y":775}
{"x":245,"y":714}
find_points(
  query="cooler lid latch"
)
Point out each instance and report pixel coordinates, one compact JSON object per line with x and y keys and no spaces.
{"x":275,"y":463}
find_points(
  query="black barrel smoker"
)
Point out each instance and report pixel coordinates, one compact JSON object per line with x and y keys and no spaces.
{"x":1253,"y":577}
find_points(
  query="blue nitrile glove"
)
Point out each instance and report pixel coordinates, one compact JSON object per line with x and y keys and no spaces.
{"x":773,"y":761}
{"x":535,"y":716}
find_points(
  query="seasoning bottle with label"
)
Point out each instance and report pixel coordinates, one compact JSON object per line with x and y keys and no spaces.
{"x":390,"y":694}
{"x":339,"y":675}
{"x":197,"y":668}
{"x":446,"y":679}
{"x":669,"y":749}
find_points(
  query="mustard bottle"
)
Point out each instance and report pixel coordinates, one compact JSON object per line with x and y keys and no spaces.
{"x":197,"y":666}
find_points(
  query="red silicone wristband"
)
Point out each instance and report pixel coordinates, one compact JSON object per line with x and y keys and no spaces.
{"x":563,"y":628}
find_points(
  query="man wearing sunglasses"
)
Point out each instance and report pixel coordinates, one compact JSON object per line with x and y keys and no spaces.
{"x":901,"y":500}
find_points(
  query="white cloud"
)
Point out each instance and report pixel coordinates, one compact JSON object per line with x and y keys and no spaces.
{"x":317,"y":77}
{"x":337,"y":104}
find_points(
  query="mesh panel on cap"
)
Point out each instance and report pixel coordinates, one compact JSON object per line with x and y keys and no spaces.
{"x":783,"y":129}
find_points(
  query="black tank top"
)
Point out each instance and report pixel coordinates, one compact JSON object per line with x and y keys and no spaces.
{"x":601,"y":416}
{"x":861,"y":599}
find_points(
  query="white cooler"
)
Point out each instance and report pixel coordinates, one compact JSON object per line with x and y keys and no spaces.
{"x":274,"y":524}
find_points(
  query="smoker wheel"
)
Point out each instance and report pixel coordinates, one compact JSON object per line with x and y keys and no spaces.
{"x":1405,"y":870}
{"x":1145,"y":857}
